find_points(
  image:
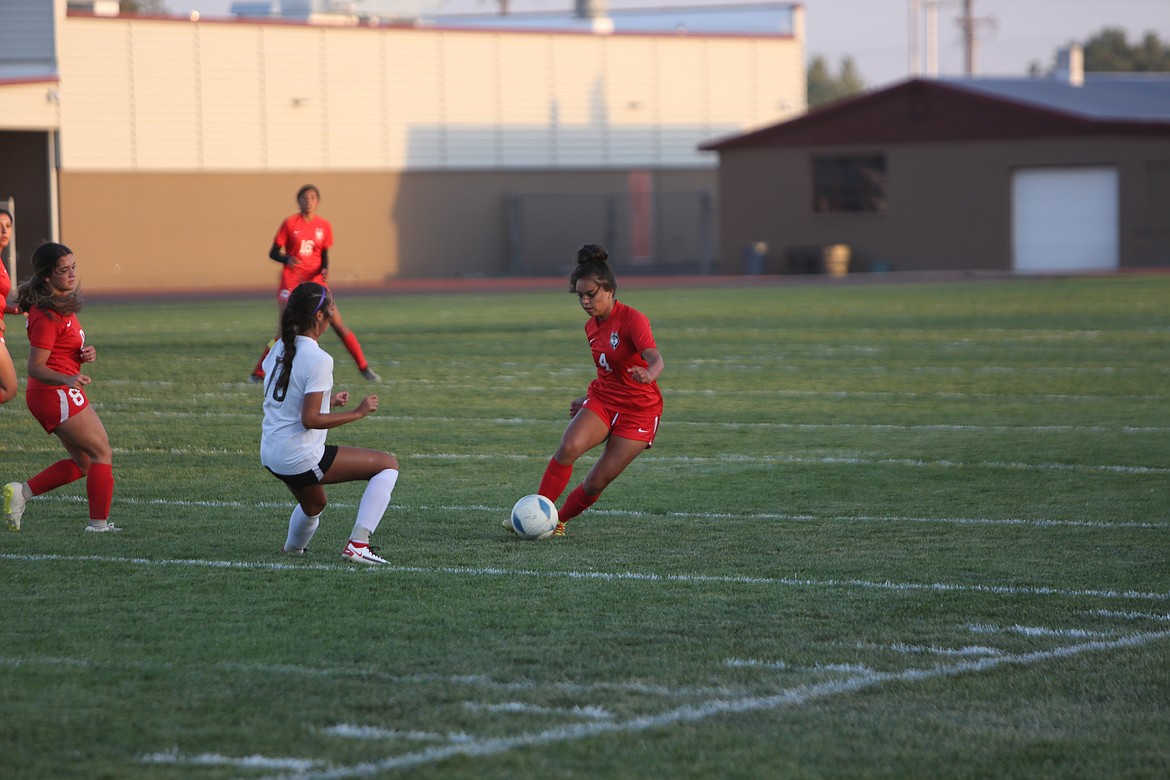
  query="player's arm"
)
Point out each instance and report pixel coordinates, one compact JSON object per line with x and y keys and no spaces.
{"x":653,"y":369}
{"x":325,"y":262}
{"x":313,"y":418}
{"x":277,"y":254}
{"x":38,"y":368}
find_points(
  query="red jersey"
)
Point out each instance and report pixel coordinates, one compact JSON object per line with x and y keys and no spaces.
{"x":617,"y":343}
{"x":304,"y":240}
{"x":62,"y":336}
{"x":5,"y":288}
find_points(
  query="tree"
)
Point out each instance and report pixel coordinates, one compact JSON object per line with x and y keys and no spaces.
{"x":1109,"y":51}
{"x":824,"y":87}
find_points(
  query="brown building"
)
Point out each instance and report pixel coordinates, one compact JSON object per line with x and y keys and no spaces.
{"x":1027,"y":175}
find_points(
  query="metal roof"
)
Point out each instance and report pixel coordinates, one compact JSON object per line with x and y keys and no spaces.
{"x":1103,"y":96}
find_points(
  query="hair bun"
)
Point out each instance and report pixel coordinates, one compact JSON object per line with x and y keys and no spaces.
{"x":591,"y":253}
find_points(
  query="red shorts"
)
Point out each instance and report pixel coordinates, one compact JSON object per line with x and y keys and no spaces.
{"x":625,"y":425}
{"x":54,"y":405}
{"x":289,"y":279}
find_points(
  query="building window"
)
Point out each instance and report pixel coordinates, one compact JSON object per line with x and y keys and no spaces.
{"x":849,"y":183}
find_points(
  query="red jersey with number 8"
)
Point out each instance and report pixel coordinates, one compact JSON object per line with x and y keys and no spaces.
{"x":62,"y":336}
{"x":617,"y":343}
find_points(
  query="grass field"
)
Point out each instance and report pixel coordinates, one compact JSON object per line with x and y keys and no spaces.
{"x":886,"y":531}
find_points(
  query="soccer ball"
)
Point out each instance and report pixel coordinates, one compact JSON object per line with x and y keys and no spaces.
{"x":534,"y":517}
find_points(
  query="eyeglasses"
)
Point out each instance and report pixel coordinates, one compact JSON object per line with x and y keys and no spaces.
{"x":590,"y":295}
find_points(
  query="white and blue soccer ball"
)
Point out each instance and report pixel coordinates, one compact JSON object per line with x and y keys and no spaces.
{"x":534,"y":517}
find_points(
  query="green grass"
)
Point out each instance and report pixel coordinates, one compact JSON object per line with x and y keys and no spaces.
{"x":886,"y":531}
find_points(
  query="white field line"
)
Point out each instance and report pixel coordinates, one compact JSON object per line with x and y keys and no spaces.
{"x":1039,"y":631}
{"x":749,"y":517}
{"x":243,"y":389}
{"x":455,"y":571}
{"x":298,"y":765}
{"x":523,"y":708}
{"x":904,"y":649}
{"x":744,"y":461}
{"x":474,"y":681}
{"x":792,"y":697}
{"x":373,"y":733}
{"x":1164,"y":618}
{"x":391,"y":418}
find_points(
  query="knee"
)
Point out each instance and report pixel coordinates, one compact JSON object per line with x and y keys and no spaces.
{"x":313,"y":508}
{"x":390,"y":461}
{"x":7,"y":394}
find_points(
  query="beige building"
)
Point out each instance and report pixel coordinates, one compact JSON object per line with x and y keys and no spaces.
{"x":165,"y":151}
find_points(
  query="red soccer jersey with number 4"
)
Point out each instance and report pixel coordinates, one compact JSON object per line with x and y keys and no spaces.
{"x":617,"y":344}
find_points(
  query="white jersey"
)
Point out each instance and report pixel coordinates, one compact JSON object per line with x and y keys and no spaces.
{"x":286,"y":446}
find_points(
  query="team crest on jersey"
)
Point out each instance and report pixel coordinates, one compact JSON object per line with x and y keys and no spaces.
{"x":320,"y":235}
{"x":613,"y":340}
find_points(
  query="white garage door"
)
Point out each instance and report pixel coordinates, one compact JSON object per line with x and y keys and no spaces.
{"x":1064,"y":219}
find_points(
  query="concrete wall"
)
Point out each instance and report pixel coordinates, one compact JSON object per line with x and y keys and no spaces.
{"x":175,"y":231}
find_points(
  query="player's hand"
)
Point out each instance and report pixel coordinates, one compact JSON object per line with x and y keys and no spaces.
{"x":291,"y":261}
{"x":575,"y":405}
{"x":339,"y":399}
{"x":87,"y":354}
{"x":78,"y":382}
{"x":640,"y":375}
{"x":368,"y":405}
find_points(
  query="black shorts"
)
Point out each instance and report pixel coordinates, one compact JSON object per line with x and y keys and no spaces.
{"x":312,"y":476}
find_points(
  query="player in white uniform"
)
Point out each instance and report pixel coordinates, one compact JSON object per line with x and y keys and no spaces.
{"x":298,"y":410}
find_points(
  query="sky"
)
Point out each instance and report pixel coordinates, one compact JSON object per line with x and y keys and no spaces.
{"x":876,"y":33}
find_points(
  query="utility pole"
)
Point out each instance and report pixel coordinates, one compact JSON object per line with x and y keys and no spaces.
{"x":915,"y":69}
{"x":969,"y":25}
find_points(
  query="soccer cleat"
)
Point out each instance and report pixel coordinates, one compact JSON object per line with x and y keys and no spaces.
{"x":108,"y":528}
{"x":356,"y":552}
{"x":295,"y":550}
{"x":369,"y":374}
{"x":14,"y":502}
{"x":559,"y":531}
{"x":256,"y":379}
{"x":508,"y":525}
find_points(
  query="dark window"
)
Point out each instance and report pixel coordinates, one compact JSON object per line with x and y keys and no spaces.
{"x":849,"y":183}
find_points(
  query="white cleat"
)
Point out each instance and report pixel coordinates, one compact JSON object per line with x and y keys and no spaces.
{"x":14,"y":502}
{"x":356,"y":552}
{"x":108,"y":528}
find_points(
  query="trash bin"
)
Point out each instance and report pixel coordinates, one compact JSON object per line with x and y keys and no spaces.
{"x":754,"y":254}
{"x":837,"y":259}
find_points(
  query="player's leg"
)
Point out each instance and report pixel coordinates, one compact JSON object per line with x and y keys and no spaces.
{"x":352,"y":345}
{"x":305,"y":518}
{"x":584,"y":432}
{"x":86,"y":441}
{"x":380,"y":469}
{"x":257,"y":374}
{"x":8,"y":382}
{"x":617,"y":455}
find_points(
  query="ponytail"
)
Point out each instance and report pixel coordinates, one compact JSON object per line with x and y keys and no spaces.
{"x":303,"y":304}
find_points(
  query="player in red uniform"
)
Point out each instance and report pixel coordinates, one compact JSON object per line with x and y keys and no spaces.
{"x":302,"y":246}
{"x":8,"y":382}
{"x":56,"y":390}
{"x":622,"y":405}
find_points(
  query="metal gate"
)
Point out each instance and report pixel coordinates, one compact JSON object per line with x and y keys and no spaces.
{"x":646,"y":233}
